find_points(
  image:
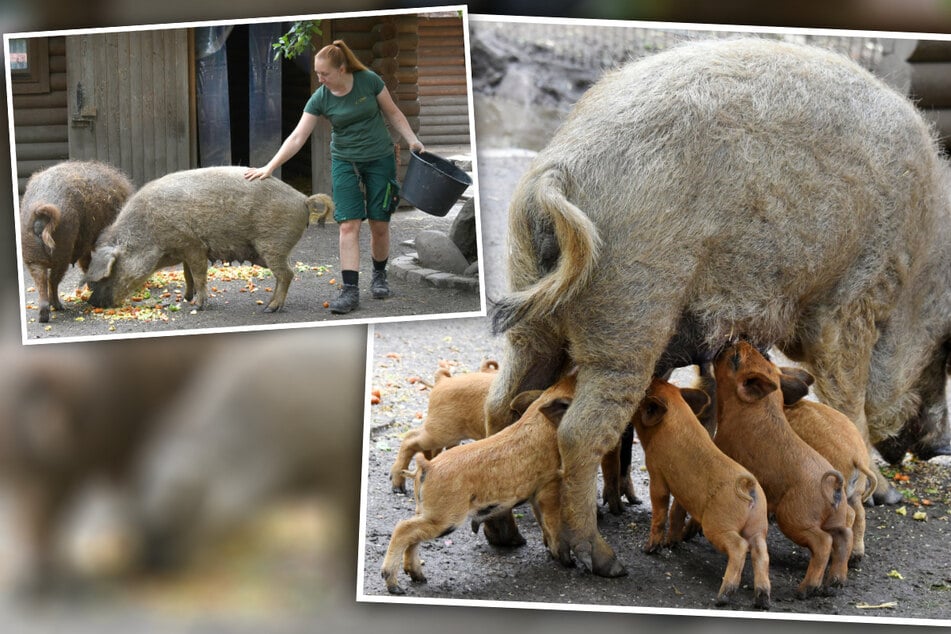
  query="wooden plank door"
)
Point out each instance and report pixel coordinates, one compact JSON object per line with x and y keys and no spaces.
{"x":130,"y":101}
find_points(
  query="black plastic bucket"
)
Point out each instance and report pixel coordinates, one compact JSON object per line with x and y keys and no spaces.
{"x":433,"y":184}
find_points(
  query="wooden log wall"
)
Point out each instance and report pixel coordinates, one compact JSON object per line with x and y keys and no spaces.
{"x":40,"y":120}
{"x":443,"y":82}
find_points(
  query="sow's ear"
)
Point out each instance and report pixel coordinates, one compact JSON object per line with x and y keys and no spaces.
{"x":653,"y":410}
{"x":754,"y":386}
{"x":696,"y":399}
{"x":100,"y":266}
{"x":555,"y":409}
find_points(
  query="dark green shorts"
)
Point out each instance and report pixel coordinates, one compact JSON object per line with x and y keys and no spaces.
{"x":363,"y":189}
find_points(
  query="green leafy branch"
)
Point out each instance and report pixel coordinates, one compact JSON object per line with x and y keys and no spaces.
{"x":297,"y":40}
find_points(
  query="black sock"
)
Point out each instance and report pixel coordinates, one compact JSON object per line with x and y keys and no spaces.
{"x":379,"y":265}
{"x":351,"y":277}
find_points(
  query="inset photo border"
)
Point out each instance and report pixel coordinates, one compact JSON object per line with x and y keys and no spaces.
{"x":113,"y":111}
{"x":529,"y":73}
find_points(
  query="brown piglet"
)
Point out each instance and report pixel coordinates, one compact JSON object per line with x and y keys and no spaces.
{"x":456,"y":413}
{"x":804,"y":492}
{"x":484,"y":479}
{"x":718,"y":492}
{"x":832,"y":434}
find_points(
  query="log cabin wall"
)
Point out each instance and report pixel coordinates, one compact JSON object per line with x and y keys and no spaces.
{"x":40,"y":115}
{"x":443,"y":83}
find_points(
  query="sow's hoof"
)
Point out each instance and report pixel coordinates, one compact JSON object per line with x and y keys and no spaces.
{"x":601,"y":564}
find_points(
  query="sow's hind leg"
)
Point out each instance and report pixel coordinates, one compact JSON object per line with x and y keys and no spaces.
{"x":283,"y":274}
{"x":604,"y":403}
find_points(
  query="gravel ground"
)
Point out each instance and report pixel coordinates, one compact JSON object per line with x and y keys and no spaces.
{"x":234,"y":303}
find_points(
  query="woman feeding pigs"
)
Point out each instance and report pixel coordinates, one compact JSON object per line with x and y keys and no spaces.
{"x":363,"y":161}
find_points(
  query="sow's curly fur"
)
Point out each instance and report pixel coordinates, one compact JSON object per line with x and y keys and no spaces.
{"x":743,"y":187}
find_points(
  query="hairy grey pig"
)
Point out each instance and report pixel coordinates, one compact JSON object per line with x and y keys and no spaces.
{"x":752,"y":187}
{"x":63,"y":210}
{"x":194,"y":216}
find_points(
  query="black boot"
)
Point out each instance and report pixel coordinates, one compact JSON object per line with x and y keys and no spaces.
{"x":378,"y":286}
{"x":348,"y":299}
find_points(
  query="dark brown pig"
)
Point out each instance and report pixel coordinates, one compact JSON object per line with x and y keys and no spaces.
{"x":746,"y":186}
{"x":74,"y":414}
{"x":720,"y":494}
{"x":63,"y":210}
{"x":194,"y":216}
{"x":803,"y":490}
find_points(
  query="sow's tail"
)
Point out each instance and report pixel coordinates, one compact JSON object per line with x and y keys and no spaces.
{"x":545,"y":273}
{"x":44,"y":220}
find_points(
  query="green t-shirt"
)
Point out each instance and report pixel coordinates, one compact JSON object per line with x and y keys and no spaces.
{"x":359,"y":130}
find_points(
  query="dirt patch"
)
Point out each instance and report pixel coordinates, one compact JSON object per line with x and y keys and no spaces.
{"x":238,"y":293}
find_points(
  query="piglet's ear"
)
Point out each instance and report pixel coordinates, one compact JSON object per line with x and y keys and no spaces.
{"x":794,"y":388}
{"x":696,"y":399}
{"x":754,"y":386}
{"x":653,"y":410}
{"x":523,"y":401}
{"x":797,"y":373}
{"x":555,"y":410}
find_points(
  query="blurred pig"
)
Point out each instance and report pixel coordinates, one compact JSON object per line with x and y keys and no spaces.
{"x":75,"y":413}
{"x":64,"y":209}
{"x":198,"y":215}
{"x":272,"y":414}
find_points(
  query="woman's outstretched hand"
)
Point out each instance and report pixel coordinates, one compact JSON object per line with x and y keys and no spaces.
{"x":256,"y":173}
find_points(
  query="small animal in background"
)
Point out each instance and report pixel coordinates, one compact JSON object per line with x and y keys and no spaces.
{"x":720,"y":494}
{"x":803,"y":490}
{"x":486,"y":478}
{"x":63,"y":210}
{"x":456,"y":412}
